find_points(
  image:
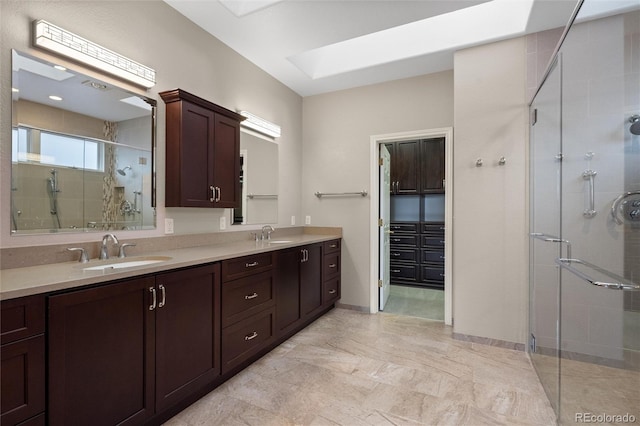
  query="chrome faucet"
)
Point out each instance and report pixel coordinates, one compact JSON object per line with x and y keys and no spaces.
{"x":268,"y":229}
{"x":104,"y":251}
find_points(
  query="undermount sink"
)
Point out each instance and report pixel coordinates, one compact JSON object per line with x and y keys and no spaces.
{"x":121,"y":264}
{"x":279,"y":241}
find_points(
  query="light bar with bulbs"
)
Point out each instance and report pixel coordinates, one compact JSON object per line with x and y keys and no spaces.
{"x":259,"y":125}
{"x":55,"y":39}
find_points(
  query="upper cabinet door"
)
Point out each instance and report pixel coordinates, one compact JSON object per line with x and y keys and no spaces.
{"x":405,"y":165}
{"x":432,"y":162}
{"x":226,"y":164}
{"x":203,"y":152}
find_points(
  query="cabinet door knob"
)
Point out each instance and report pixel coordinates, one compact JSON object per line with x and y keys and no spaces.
{"x":251,"y":265}
{"x":333,"y":265}
{"x":152,"y":290}
{"x":333,"y":291}
{"x":213,"y":193}
{"x":164,"y":296}
{"x":251,"y":296}
{"x":219,"y":193}
{"x":251,"y":336}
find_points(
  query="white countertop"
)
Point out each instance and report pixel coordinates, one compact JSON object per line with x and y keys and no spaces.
{"x":19,"y":282}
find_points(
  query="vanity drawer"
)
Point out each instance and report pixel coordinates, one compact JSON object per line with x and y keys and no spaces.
{"x":404,"y":240}
{"x":246,"y":296}
{"x":21,"y":318}
{"x":403,"y":255}
{"x":404,"y":272}
{"x":247,"y":265}
{"x":332,"y":247}
{"x":246,"y":338}
{"x":331,"y":290}
{"x":331,"y":266}
{"x":405,"y":228}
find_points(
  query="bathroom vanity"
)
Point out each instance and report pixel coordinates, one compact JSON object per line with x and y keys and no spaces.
{"x":137,"y":345}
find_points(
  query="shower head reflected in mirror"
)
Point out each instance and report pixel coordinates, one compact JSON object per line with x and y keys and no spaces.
{"x":123,"y":172}
{"x":635,"y":124}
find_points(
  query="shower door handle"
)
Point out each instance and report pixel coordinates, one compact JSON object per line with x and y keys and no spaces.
{"x":552,"y":239}
{"x":619,"y":282}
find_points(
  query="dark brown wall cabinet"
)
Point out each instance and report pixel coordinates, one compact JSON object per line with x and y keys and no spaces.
{"x":123,"y":352}
{"x":202,"y":152}
{"x":417,"y":167}
{"x":22,"y":369}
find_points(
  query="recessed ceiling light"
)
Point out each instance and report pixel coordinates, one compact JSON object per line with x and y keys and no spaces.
{"x":60,"y":67}
{"x":14,"y":90}
{"x":55,"y":98}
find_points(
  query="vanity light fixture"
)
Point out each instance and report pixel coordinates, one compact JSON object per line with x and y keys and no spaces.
{"x":53,"y":38}
{"x":260,"y":125}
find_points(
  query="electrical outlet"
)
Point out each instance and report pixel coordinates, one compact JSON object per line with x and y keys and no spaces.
{"x":168,"y":225}
{"x":293,"y":220}
{"x":223,"y":223}
{"x":307,"y":220}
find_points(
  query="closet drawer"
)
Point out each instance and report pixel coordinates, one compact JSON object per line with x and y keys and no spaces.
{"x":433,"y":228}
{"x":404,"y":255}
{"x":433,"y":273}
{"x":432,"y":256}
{"x":404,"y":272}
{"x":246,"y":338}
{"x":331,"y":247}
{"x":246,"y":296}
{"x":432,"y":241}
{"x":244,"y":266}
{"x":404,"y":240}
{"x":406,"y":228}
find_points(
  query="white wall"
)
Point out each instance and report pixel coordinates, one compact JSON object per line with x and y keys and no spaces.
{"x":184,"y":56}
{"x":490,"y":243}
{"x":337,"y":129}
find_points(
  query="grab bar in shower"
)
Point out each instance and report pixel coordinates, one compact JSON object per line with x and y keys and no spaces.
{"x":552,"y":239}
{"x":619,"y":284}
{"x":590,"y":175}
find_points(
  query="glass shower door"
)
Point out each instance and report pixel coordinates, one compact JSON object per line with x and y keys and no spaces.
{"x":545,"y":242}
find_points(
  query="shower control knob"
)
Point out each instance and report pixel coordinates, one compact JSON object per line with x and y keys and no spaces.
{"x":634,"y":214}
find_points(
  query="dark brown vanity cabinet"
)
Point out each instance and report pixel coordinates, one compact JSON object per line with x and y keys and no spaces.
{"x":331,"y":273}
{"x":248,"y":308}
{"x":123,"y":352}
{"x":202,"y":152}
{"x":22,"y":369}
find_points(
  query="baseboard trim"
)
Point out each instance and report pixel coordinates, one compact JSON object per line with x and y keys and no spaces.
{"x":488,"y":341}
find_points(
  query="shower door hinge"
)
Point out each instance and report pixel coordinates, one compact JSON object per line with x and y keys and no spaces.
{"x":380,"y":283}
{"x":380,"y":222}
{"x":381,"y":162}
{"x":534,"y":116}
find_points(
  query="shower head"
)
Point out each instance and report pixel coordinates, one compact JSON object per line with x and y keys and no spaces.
{"x":635,"y":124}
{"x":123,"y":172}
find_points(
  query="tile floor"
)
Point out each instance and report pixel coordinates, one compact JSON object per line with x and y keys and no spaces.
{"x":352,"y":368}
{"x":416,"y":302}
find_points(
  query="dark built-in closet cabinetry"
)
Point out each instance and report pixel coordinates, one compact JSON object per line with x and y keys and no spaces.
{"x":203,"y":152}
{"x":417,"y":212}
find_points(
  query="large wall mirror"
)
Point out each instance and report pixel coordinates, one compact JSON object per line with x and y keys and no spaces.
{"x":258,"y":180}
{"x":82,"y":152}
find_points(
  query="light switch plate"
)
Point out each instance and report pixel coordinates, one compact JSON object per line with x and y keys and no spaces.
{"x":223,"y":223}
{"x":168,"y":225}
{"x":307,"y":220}
{"x":293,"y":220}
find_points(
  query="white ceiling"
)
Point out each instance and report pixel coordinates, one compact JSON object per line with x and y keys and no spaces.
{"x":318,"y":46}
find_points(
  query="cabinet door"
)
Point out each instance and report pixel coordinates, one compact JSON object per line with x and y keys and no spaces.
{"x":287,"y":289}
{"x":190,"y":151}
{"x":101,"y":355}
{"x":187,"y":332}
{"x":432,"y":155}
{"x":226,"y":165}
{"x":405,"y":164}
{"x":311,"y":280}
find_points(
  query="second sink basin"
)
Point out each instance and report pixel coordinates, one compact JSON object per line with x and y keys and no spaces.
{"x":279,"y":241}
{"x":136,"y":261}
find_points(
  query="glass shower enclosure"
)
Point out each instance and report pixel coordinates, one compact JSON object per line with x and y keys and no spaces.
{"x":585,"y":219}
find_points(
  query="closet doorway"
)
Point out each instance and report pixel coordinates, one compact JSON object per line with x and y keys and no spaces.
{"x":411,"y":239}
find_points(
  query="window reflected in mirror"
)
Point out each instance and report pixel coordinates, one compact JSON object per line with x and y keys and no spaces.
{"x":82,"y":152}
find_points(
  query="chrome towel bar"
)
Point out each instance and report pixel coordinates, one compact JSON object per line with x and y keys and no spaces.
{"x":333,"y":194}
{"x":619,"y":284}
{"x":252,"y":196}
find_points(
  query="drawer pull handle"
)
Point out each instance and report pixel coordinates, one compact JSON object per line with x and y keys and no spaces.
{"x":396,"y":240}
{"x":333,"y":291}
{"x":442,"y":257}
{"x":441,"y":242}
{"x":395,"y":254}
{"x":251,"y":265}
{"x":251,"y":336}
{"x":164,"y":296}
{"x":333,"y":265}
{"x":442,"y":275}
{"x":442,"y":228}
{"x":251,"y":296}
{"x":152,"y":290}
{"x":333,"y":245}
{"x":395,"y":271}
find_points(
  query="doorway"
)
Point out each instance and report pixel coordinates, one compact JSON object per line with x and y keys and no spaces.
{"x":411,"y":299}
